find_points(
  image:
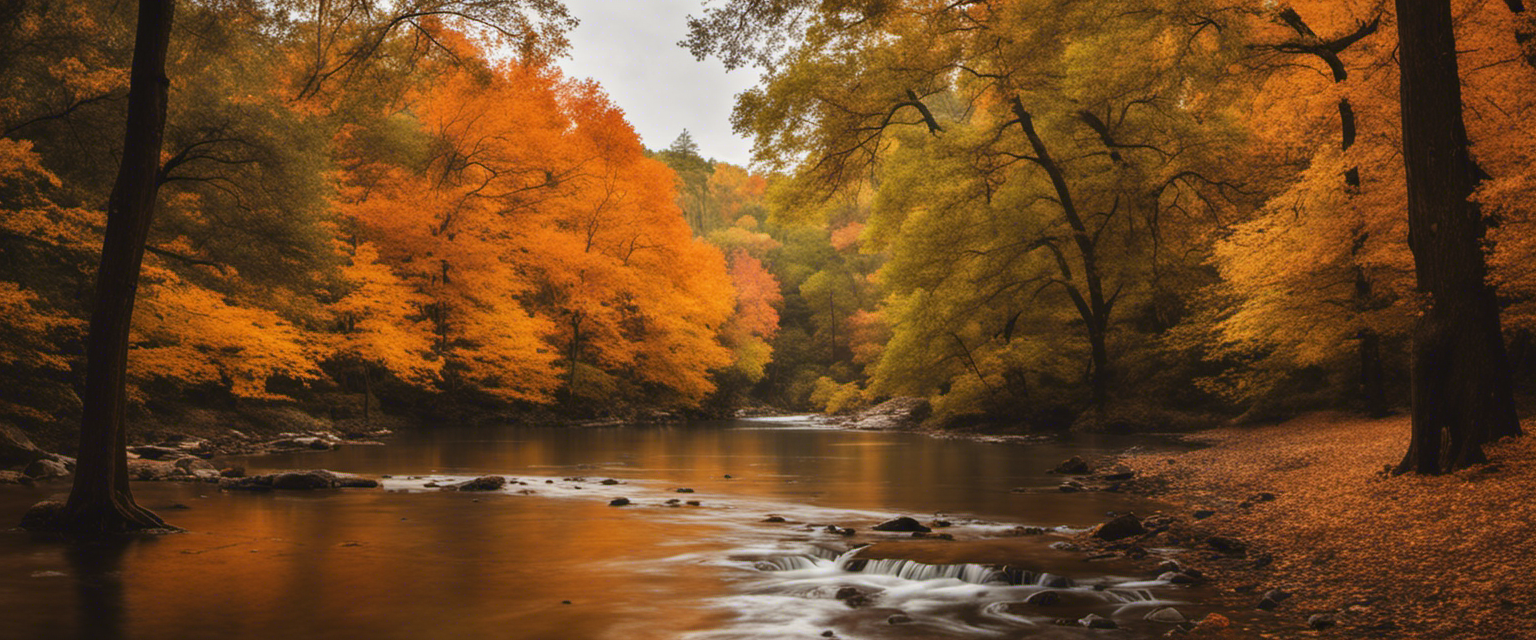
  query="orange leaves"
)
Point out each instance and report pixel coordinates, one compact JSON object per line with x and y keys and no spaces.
{"x":757,"y":296}
{"x":539,"y":244}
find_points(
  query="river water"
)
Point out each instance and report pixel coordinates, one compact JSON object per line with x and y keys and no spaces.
{"x":548,"y":558}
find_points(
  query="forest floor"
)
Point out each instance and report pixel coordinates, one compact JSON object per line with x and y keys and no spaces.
{"x":1388,"y":556}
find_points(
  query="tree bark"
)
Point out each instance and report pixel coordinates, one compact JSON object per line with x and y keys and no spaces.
{"x":1462,"y":391}
{"x":100,"y":501}
{"x":1095,"y":308}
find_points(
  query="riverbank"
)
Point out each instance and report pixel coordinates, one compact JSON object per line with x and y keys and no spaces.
{"x":1382,"y":556}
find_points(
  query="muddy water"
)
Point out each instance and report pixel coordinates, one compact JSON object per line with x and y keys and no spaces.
{"x":548,"y":558}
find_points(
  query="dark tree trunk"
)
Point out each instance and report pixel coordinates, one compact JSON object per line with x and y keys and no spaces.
{"x":1093,"y":308}
{"x":1372,"y":375}
{"x":1462,"y":393}
{"x":100,"y":502}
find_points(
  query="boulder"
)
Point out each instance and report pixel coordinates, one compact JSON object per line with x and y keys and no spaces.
{"x":349,"y":481}
{"x":1073,"y":466}
{"x":482,"y":483}
{"x":903,"y":524}
{"x":1043,"y":599}
{"x":619,"y":502}
{"x":1178,"y":577}
{"x":16,"y":448}
{"x":303,"y":480}
{"x":206,"y":475}
{"x":774,"y":519}
{"x":152,"y":470}
{"x":43,"y":516}
{"x":45,"y":469}
{"x":190,"y":465}
{"x":1201,"y":514}
{"x":1119,"y":527}
{"x":232,"y":472}
{"x":14,"y":477}
{"x":1320,"y":621}
{"x":1166,"y":615}
{"x":898,"y":618}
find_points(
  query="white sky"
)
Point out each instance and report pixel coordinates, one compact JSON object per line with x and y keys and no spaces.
{"x":630,"y":47}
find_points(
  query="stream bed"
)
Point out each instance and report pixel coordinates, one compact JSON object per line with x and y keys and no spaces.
{"x":547,"y":557}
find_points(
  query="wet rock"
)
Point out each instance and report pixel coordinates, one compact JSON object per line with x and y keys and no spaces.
{"x":1227,"y":545}
{"x":303,"y":480}
{"x":482,"y":483}
{"x":619,"y":502}
{"x":1056,"y":582}
{"x":14,"y":477}
{"x":901,"y":524}
{"x":16,"y":448}
{"x":828,"y":634}
{"x":940,"y":524}
{"x":774,"y":519}
{"x":151,"y":470}
{"x":1320,"y":621}
{"x":898,"y":618}
{"x":1096,"y":621}
{"x":1027,"y":531}
{"x":1201,"y":514}
{"x":232,"y":472}
{"x":1073,"y":466}
{"x":1278,"y":595}
{"x":1065,"y":546}
{"x":155,"y":452}
{"x":609,"y":481}
{"x":1169,"y":565}
{"x":694,"y":503}
{"x":45,"y":469}
{"x":932,"y":536}
{"x":1043,"y":599}
{"x":836,"y":530}
{"x":1071,"y":486}
{"x":684,"y":490}
{"x":1176,"y":577}
{"x":189,"y":464}
{"x":43,"y":516}
{"x":673,"y":502}
{"x":206,"y":475}
{"x":1119,"y":527}
{"x":349,"y":481}
{"x":1166,"y":615}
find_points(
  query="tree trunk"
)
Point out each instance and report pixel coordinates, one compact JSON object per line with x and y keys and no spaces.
{"x":1095,"y":308}
{"x":1462,"y":392}
{"x":100,"y":502}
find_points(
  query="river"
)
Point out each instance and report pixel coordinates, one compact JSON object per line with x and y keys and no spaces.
{"x":548,"y":558}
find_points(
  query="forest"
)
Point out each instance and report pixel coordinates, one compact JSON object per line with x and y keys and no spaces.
{"x":1015,"y":217}
{"x":412,"y":211}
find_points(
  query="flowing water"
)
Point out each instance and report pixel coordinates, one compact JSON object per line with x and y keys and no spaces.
{"x":548,"y":558}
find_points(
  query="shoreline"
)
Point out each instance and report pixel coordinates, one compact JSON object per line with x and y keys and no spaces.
{"x":1313,"y":513}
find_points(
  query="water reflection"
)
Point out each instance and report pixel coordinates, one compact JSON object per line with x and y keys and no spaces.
{"x":97,"y":568}
{"x":379,"y":565}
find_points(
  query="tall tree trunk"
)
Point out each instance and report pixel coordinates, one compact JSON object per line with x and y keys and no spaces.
{"x":1462,"y":393}
{"x":1094,"y":308}
{"x":100,"y":502}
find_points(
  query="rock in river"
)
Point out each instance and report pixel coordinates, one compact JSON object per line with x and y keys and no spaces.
{"x":1121,"y":526}
{"x":902,"y":524}
{"x":482,"y":483}
{"x":44,"y":469}
{"x":1074,"y":466}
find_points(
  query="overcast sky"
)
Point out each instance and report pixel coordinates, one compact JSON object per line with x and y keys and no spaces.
{"x":630,"y":47}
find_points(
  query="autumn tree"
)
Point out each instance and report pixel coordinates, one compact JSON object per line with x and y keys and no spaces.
{"x":1462,"y":393}
{"x":101,"y":501}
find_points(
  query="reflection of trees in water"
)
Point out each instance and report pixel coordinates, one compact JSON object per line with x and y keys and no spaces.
{"x":99,"y":582}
